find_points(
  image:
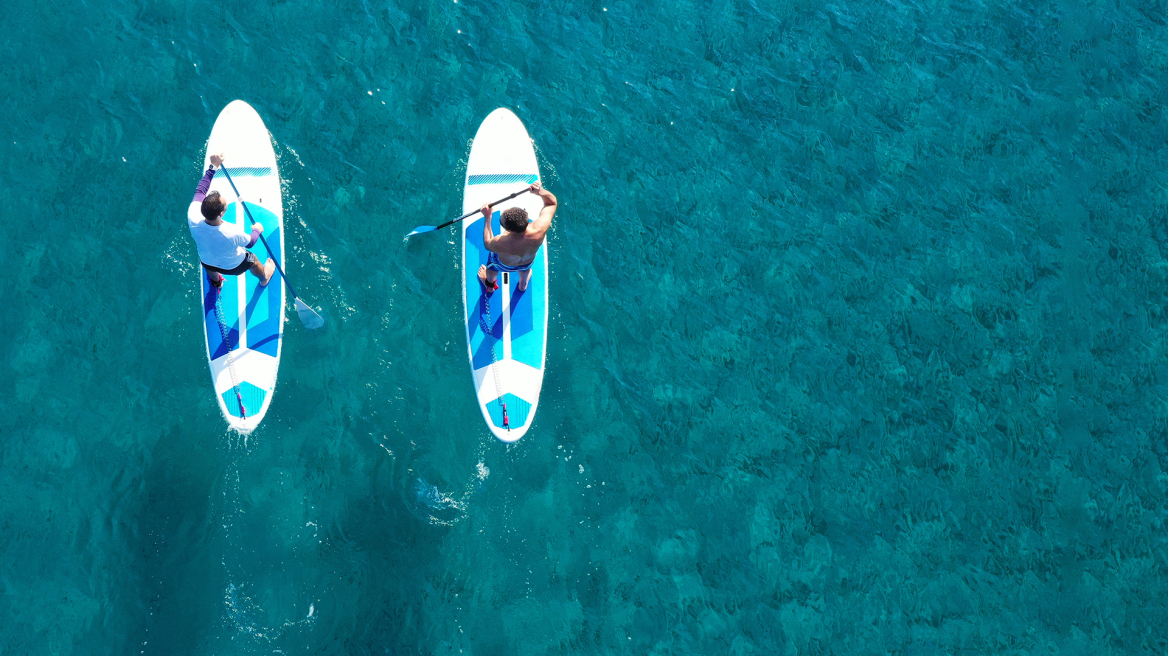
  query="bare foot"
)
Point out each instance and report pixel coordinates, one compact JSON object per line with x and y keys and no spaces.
{"x":524,"y":278}
{"x":487,"y":280}
{"x":269,"y":269}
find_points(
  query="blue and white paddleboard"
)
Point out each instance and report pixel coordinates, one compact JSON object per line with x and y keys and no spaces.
{"x":506,"y":332}
{"x":245,"y":322}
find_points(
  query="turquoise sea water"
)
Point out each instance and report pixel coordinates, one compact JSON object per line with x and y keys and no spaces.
{"x":857,"y":342}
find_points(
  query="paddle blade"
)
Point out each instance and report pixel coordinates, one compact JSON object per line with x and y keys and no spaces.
{"x":420,"y":229}
{"x":308,"y":316}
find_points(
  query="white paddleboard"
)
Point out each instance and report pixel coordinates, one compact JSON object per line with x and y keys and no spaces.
{"x":251,"y":317}
{"x":506,"y":332}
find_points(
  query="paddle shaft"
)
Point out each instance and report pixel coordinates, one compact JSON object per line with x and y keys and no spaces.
{"x":469,"y":214}
{"x":265,"y":241}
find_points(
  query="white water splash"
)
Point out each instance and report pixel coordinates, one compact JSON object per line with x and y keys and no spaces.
{"x":242,"y":611}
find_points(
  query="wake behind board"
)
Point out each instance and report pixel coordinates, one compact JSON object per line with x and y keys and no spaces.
{"x":245,"y":322}
{"x":506,"y":332}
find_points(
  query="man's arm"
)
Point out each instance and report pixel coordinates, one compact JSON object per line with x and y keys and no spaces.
{"x":488,"y":234}
{"x":193,"y":212}
{"x":540,"y":226}
{"x":256,"y":229}
{"x":204,"y":185}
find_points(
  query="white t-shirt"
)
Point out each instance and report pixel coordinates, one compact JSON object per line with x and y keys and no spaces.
{"x":221,"y":246}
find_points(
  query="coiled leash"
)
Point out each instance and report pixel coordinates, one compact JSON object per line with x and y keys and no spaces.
{"x":230,"y":361}
{"x":494,"y":361}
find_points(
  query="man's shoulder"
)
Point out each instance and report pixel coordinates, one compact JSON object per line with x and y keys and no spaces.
{"x":194,"y":215}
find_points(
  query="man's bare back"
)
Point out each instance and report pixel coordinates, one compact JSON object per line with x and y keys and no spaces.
{"x":515,"y":248}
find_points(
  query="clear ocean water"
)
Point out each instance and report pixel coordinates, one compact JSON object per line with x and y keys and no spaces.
{"x":857,"y":343}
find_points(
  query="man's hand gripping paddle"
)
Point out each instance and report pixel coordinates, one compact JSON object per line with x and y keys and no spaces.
{"x":420,"y":229}
{"x":307,"y":315}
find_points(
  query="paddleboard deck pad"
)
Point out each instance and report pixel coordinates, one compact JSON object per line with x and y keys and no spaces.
{"x":244,"y":321}
{"x":506,"y":331}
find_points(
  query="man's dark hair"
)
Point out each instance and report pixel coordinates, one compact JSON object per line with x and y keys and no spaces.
{"x":213,"y":206}
{"x":515,"y":219}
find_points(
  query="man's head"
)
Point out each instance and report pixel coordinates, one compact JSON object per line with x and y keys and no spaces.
{"x":514,"y":220}
{"x":213,"y":206}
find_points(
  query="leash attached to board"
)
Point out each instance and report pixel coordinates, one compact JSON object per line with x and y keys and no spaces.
{"x":230,"y":363}
{"x":489,"y":329}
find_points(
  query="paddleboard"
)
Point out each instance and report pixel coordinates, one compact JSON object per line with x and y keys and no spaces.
{"x":244,"y":321}
{"x":506,"y":332}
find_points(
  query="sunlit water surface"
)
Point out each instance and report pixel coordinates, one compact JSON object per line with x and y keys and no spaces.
{"x":856,"y":344}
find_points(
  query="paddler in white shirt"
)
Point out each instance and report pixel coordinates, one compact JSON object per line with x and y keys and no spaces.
{"x":223,"y":246}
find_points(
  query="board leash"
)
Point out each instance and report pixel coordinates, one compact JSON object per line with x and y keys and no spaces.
{"x":488,"y":329}
{"x":230,"y":361}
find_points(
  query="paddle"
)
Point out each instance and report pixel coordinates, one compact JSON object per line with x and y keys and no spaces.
{"x":307,"y":315}
{"x":420,"y":229}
